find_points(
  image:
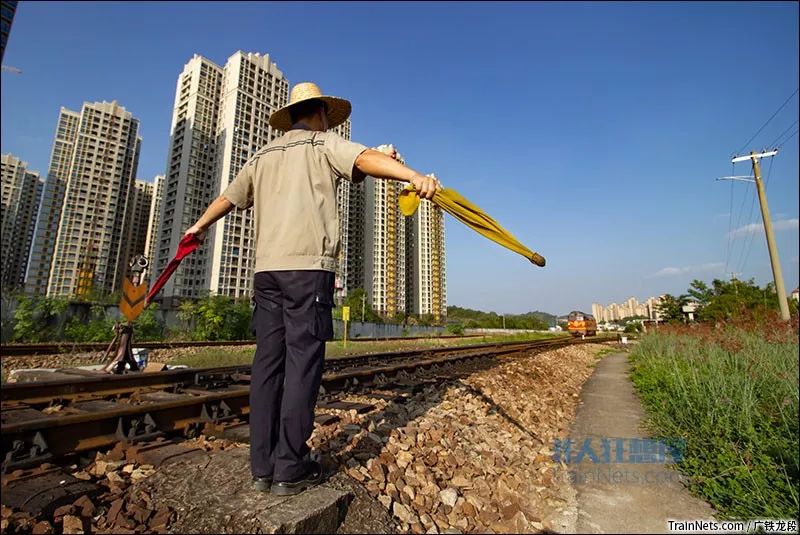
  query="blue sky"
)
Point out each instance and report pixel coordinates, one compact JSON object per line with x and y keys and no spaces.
{"x":592,"y":131}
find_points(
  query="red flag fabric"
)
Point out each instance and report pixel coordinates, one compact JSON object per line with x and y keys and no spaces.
{"x":187,"y":245}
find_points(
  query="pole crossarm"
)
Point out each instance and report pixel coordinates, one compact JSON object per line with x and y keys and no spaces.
{"x":751,"y":156}
{"x":742,"y":178}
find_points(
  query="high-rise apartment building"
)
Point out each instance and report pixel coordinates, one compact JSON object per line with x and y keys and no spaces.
{"x":189,"y":182}
{"x":356,"y":249}
{"x":252,"y":89}
{"x":139,"y":219}
{"x":90,"y":252}
{"x":399,"y":261}
{"x":219,"y":120}
{"x":385,"y":239}
{"x":49,"y":215}
{"x":152,"y":223}
{"x":344,"y":195}
{"x":7,"y":10}
{"x":21,"y":196}
{"x":631,"y":307}
{"x":428,"y":281}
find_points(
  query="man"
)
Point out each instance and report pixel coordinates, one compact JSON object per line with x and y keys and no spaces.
{"x":291,"y":185}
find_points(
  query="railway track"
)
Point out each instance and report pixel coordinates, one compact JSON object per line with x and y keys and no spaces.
{"x":25,"y":350}
{"x":44,"y":421}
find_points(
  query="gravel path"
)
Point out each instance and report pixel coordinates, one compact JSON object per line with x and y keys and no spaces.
{"x":470,"y":453}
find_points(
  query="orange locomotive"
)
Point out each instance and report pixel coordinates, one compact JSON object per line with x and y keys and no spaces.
{"x":581,"y":324}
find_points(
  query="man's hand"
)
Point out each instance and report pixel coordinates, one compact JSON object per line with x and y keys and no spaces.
{"x":426,"y":186}
{"x":380,"y":164}
{"x":198,"y":231}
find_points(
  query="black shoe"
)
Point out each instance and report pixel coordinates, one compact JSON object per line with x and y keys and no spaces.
{"x":262,"y":484}
{"x":290,"y":488}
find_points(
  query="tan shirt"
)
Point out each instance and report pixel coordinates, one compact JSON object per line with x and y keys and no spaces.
{"x":291,"y":183}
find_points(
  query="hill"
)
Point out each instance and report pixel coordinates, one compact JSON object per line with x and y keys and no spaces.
{"x":471,"y":319}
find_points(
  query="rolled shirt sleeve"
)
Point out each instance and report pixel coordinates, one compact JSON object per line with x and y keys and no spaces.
{"x":240,"y":191}
{"x":342,"y":154}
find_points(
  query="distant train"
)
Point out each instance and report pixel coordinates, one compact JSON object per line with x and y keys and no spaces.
{"x":579,"y":324}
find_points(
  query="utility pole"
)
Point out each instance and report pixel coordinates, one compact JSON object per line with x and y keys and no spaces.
{"x":735,"y":282}
{"x":777,"y":273}
{"x":363,"y":305}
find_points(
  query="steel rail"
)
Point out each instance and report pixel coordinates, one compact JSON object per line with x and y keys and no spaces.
{"x":82,"y":386}
{"x":31,"y":350}
{"x":30,"y":438}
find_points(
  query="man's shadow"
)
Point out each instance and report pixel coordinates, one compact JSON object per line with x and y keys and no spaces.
{"x":402,"y":411}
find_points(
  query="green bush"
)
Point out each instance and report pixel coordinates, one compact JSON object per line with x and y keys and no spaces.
{"x":733,"y":396}
{"x":455,"y":328}
{"x":36,"y":319}
{"x":99,"y":328}
{"x":217,"y":318}
{"x":633,"y":328}
{"x":147,"y":326}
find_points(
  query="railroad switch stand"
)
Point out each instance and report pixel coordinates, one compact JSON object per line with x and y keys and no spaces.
{"x":120,"y":347}
{"x":134,"y":291}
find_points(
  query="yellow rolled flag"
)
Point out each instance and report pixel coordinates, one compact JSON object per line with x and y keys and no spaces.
{"x":454,"y":204}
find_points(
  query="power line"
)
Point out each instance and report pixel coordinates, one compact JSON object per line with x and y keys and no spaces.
{"x":747,"y":236}
{"x":730,"y":224}
{"x":773,"y":144}
{"x":768,"y":120}
{"x":787,"y":139}
{"x":741,"y":208}
{"x":752,"y":234}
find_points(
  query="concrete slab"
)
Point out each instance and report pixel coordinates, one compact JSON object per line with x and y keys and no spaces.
{"x":627,"y":491}
{"x":216,"y":495}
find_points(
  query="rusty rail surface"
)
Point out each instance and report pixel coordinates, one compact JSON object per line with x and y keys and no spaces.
{"x":30,"y":350}
{"x":102,"y":384}
{"x":44,"y":421}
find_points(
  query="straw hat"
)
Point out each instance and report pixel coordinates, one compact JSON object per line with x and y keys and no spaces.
{"x":338,"y":108}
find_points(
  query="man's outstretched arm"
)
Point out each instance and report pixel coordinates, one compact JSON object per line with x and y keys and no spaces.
{"x":379,"y":165}
{"x":215,"y":211}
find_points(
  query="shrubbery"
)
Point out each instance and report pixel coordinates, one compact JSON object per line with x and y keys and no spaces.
{"x":732,"y":393}
{"x":217,"y":318}
{"x":38,"y":319}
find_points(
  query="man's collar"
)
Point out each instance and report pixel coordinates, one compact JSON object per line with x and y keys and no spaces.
{"x":300,"y":126}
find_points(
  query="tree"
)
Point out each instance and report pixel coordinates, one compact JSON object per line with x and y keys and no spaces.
{"x":217,"y":317}
{"x":356,"y":299}
{"x":723,"y":300}
{"x":39,"y":319}
{"x":700,"y":292}
{"x":479,"y":319}
{"x":670,"y":308}
{"x":728,"y":299}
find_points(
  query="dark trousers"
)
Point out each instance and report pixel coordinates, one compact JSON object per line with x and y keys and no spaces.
{"x":292,"y":320}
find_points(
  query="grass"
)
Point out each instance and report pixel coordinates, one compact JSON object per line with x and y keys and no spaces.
{"x":210,"y":357}
{"x":732,"y":394}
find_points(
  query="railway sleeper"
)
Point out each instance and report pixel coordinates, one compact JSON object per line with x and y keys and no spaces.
{"x":44,"y":489}
{"x":27,"y":453}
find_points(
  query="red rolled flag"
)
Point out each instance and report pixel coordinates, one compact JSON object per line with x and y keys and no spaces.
{"x":187,"y":246}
